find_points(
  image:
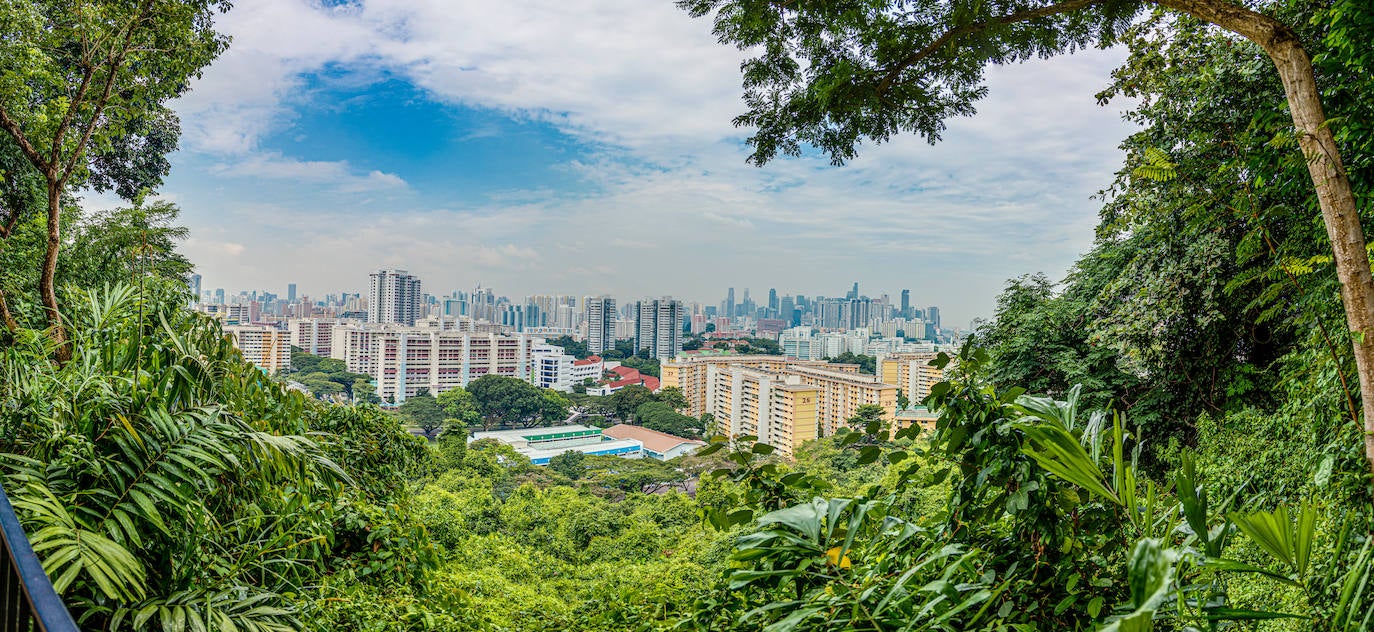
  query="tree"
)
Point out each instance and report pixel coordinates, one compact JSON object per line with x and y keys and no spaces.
{"x":832,"y":77}
{"x":576,"y":348}
{"x":460,"y":408}
{"x":661,"y":417}
{"x":83,"y":93}
{"x":866,"y":414}
{"x":509,"y":401}
{"x":423,"y":410}
{"x":125,"y":243}
{"x":572,"y":464}
{"x":867,"y":363}
{"x":673,"y":397}
{"x":624,"y":402}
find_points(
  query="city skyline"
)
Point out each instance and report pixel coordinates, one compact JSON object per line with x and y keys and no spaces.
{"x":900,"y":299}
{"x":569,"y":152}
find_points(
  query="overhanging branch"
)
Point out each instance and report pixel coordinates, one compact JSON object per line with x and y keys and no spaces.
{"x":977,"y":27}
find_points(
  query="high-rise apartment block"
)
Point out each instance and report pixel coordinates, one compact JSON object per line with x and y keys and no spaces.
{"x":658,"y":327}
{"x":911,"y":372}
{"x":312,"y":335}
{"x":267,"y":348}
{"x":782,"y":401}
{"x":404,"y":360}
{"x":600,"y":319}
{"x":393,"y":297}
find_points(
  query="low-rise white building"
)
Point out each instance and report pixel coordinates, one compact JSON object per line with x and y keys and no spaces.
{"x":542,"y":444}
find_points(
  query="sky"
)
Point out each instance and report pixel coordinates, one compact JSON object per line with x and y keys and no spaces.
{"x":586,"y":147}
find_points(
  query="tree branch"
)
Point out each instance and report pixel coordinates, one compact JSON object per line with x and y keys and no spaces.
{"x":977,"y":27}
{"x":12,"y":126}
{"x":115,"y":60}
{"x":11,"y":220}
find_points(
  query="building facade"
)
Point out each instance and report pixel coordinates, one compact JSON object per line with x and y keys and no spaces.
{"x":403,"y":360}
{"x":911,"y":372}
{"x":394,"y":297}
{"x":658,"y":327}
{"x":600,"y":319}
{"x":267,"y":348}
{"x":782,"y":401}
{"x":312,"y":335}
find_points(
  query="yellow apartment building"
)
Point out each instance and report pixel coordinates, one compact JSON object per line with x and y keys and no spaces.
{"x":783,"y":402}
{"x":911,"y":372}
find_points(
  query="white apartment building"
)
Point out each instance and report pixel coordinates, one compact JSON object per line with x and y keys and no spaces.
{"x":658,"y":327}
{"x":551,"y":367}
{"x":312,"y":335}
{"x":393,"y":297}
{"x":601,"y":323}
{"x":403,"y":360}
{"x":268,"y":348}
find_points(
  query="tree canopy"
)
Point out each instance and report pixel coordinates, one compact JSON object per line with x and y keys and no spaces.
{"x":512,"y":402}
{"x":83,"y":94}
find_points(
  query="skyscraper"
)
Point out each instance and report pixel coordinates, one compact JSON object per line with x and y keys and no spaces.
{"x":658,"y":327}
{"x":906,"y":303}
{"x":773,"y":300}
{"x":194,"y":284}
{"x":854,"y":293}
{"x":600,"y":324}
{"x":393,"y":297}
{"x":933,"y":316}
{"x":729,"y":303}
{"x":291,"y":292}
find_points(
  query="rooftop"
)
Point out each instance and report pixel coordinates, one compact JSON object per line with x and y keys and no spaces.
{"x":660,"y":442}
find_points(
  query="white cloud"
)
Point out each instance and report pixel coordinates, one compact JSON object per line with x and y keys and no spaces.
{"x":1007,"y":192}
{"x":339,"y":173}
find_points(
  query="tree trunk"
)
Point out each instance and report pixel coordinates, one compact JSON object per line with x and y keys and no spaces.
{"x":47,"y":281}
{"x":1337,"y":201}
{"x":6,"y":317}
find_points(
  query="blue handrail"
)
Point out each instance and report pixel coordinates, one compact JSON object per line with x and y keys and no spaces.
{"x":28,"y":601}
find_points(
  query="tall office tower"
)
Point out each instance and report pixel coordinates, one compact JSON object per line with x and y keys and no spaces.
{"x":219,"y":296}
{"x":658,"y":327}
{"x":933,"y":315}
{"x":194,"y":284}
{"x":785,"y":306}
{"x":854,"y":293}
{"x":600,"y":324}
{"x":393,"y":297}
{"x":291,"y":292}
{"x":906,"y":303}
{"x":730,"y":303}
{"x":773,"y":300}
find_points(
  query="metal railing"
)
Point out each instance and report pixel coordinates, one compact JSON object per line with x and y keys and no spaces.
{"x":28,"y":602}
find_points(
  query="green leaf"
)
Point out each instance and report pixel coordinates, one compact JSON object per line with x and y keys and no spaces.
{"x":1059,"y":453}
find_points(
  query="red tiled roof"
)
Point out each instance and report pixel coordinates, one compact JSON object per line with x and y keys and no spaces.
{"x":659,"y":442}
{"x":651,"y":382}
{"x":589,"y":360}
{"x":624,"y":383}
{"x":625,"y":372}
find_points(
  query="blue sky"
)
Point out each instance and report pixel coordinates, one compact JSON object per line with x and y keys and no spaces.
{"x":585,"y":147}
